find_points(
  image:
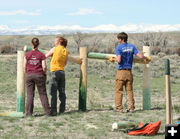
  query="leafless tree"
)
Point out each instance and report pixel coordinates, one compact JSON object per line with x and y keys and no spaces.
{"x":111,"y":42}
{"x":78,"y":38}
{"x":157,"y":39}
{"x":97,"y":41}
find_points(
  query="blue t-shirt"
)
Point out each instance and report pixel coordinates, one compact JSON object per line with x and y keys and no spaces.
{"x":126,"y":51}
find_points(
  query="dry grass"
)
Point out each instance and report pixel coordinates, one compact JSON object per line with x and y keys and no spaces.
{"x":97,"y":121}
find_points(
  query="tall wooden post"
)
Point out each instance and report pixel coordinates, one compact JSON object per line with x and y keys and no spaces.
{"x":83,"y":79}
{"x":168,"y":93}
{"x":146,"y":81}
{"x":20,"y":82}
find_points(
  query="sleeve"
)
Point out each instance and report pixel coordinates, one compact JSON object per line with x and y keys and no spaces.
{"x":118,"y":51}
{"x":135,"y":50}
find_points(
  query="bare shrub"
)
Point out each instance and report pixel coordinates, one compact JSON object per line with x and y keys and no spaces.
{"x":94,"y":49}
{"x":96,"y":41}
{"x":155,"y":50}
{"x":169,"y":51}
{"x":178,"y":51}
{"x":108,"y":50}
{"x":157,"y":39}
{"x":160,"y":55}
{"x":7,"y":49}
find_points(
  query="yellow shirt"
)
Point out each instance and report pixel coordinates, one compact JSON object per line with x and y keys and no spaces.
{"x":59,"y":57}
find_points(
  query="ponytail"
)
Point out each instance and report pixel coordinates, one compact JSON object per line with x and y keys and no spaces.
{"x":35,"y":42}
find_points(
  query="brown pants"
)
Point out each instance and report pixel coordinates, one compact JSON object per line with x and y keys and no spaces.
{"x":124,"y":78}
{"x":40,"y":81}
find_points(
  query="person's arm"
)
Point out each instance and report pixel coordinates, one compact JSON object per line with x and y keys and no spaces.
{"x":146,"y":59}
{"x":44,"y":66}
{"x":25,"y":61}
{"x":140,"y":56}
{"x":118,"y":58}
{"x":50,"y":53}
{"x":66,"y":59}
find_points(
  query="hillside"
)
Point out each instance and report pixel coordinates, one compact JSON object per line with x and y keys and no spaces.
{"x":101,"y":42}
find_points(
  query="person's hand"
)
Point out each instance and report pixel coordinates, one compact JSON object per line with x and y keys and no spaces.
{"x":81,"y":61}
{"x":112,"y":59}
{"x":147,"y":59}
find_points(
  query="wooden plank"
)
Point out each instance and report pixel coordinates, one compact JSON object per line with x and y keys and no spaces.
{"x":70,"y":58}
{"x":103,"y":56}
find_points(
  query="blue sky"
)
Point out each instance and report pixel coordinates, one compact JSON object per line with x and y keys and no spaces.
{"x":88,"y":13}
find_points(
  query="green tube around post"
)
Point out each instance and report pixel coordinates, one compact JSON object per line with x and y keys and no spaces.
{"x":20,"y":103}
{"x":100,"y":55}
{"x":167,"y":67}
{"x":82,"y":94}
{"x":146,"y":99}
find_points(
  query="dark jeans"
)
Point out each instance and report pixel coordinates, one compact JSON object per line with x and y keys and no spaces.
{"x":57,"y":82}
{"x":40,"y":81}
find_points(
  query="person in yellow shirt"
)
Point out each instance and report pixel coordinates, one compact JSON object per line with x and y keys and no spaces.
{"x":59,"y":56}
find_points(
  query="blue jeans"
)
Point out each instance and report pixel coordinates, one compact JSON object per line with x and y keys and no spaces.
{"x":57,"y":82}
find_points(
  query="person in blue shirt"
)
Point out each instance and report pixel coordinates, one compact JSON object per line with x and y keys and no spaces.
{"x":124,"y":77}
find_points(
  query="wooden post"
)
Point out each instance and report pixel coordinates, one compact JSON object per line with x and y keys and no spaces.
{"x":146,"y":81}
{"x":20,"y":82}
{"x":83,"y":79}
{"x":168,"y":93}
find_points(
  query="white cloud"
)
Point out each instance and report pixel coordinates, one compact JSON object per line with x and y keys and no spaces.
{"x":85,"y":11}
{"x":21,"y":12}
{"x":46,"y":30}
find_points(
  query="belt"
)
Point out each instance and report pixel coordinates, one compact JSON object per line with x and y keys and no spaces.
{"x":125,"y":69}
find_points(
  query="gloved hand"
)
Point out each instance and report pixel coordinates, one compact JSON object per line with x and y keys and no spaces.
{"x":147,"y":59}
{"x":112,"y":59}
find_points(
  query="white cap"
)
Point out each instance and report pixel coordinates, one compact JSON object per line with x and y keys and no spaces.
{"x":114,"y":126}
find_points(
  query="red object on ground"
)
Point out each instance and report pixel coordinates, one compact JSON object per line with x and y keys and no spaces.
{"x":147,"y":129}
